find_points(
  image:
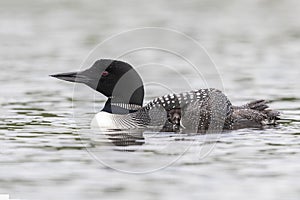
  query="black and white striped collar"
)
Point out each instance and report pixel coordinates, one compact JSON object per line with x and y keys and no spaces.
{"x":120,"y":108}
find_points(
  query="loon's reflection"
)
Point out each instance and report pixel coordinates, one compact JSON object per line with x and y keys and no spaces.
{"x":126,"y":137}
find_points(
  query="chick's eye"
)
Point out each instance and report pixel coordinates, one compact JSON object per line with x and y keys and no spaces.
{"x":105,"y":73}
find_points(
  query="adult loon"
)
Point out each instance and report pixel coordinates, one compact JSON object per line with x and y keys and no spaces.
{"x":198,"y":111}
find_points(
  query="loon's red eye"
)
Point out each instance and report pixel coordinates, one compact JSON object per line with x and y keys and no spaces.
{"x":105,"y":73}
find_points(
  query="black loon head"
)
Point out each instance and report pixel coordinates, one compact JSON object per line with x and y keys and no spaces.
{"x":116,"y":79}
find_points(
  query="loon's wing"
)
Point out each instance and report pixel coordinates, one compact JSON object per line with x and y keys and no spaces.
{"x":196,"y":111}
{"x":207,"y":114}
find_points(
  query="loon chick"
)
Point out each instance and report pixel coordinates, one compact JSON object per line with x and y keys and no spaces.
{"x":198,"y":110}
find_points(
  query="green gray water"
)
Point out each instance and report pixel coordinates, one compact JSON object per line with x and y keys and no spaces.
{"x":47,"y":154}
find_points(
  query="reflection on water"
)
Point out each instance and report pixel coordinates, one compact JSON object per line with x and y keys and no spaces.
{"x":122,"y":138}
{"x":125,"y":139}
{"x":48,"y":151}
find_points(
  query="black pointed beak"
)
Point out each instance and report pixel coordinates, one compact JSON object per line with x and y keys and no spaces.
{"x":77,"y":77}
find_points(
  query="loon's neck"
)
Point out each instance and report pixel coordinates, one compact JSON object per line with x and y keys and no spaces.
{"x":125,"y":102}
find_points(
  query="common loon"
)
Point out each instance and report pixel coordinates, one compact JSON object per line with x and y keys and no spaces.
{"x":198,"y":110}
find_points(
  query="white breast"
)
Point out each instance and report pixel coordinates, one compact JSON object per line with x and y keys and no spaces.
{"x":113,"y":121}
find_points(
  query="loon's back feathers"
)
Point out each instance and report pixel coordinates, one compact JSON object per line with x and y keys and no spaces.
{"x":201,"y":111}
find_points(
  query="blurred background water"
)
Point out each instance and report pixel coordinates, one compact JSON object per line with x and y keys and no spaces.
{"x":46,"y":154}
